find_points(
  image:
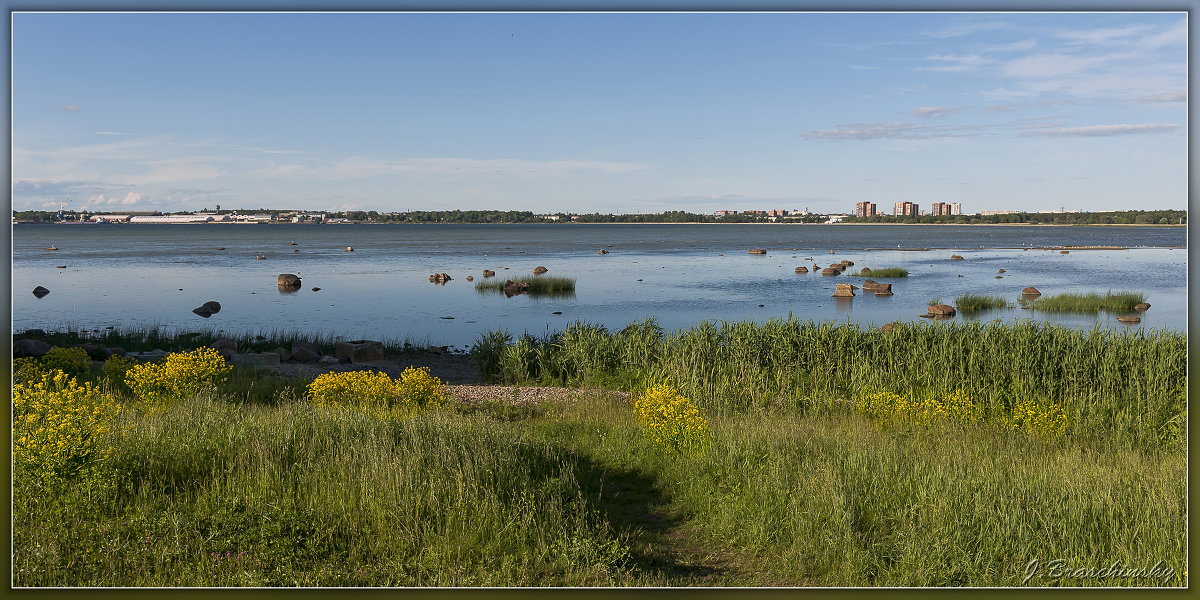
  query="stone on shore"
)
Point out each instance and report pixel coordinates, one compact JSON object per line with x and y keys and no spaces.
{"x":941,"y":309}
{"x":306,"y":352}
{"x":255,"y":359}
{"x":1030,"y":291}
{"x":26,"y":347}
{"x":358,"y":351}
{"x":227,"y":347}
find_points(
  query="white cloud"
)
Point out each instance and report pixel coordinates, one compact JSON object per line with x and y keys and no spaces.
{"x":132,"y":198}
{"x":927,"y":112}
{"x":1104,"y":130}
{"x":1020,"y":46}
{"x":1165,"y":97}
{"x":69,"y":108}
{"x":356,"y":167}
{"x":966,"y":29}
{"x":1105,"y":35}
{"x":875,"y":131}
{"x":955,"y":62}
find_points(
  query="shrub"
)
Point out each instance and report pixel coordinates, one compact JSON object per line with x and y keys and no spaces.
{"x":364,"y":390}
{"x":115,"y":370}
{"x":671,"y":421}
{"x":892,"y":409}
{"x":72,"y":361}
{"x":377,"y":393}
{"x":1045,"y":419}
{"x":180,"y":375}
{"x":59,"y":425}
{"x":418,"y":388}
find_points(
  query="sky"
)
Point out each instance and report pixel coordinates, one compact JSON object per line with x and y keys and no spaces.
{"x":599,"y":112}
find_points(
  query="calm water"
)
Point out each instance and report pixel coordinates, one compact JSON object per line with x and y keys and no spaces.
{"x":139,"y":275}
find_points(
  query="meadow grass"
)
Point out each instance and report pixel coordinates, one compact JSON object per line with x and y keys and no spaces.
{"x":1121,"y":386}
{"x":882,"y":272}
{"x":538,"y":284}
{"x":249,"y":483}
{"x":973,"y":303}
{"x":1094,"y":302}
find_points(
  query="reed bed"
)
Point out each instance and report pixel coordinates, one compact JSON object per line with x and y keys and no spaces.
{"x":1091,"y":303}
{"x":973,"y":303}
{"x":537,"y":284}
{"x":883,"y":272}
{"x":1120,"y":385}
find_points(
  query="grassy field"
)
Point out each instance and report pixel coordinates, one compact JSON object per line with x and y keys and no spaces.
{"x":851,"y":470}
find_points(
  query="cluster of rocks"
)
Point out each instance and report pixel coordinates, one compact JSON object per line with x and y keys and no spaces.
{"x":837,"y":268}
{"x":513,"y":288}
{"x":756,"y":251}
{"x":487,"y":273}
{"x":441,"y":278}
{"x":602,"y":251}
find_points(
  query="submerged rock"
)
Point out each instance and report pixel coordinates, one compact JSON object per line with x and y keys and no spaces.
{"x":208,"y":309}
{"x":288,"y":280}
{"x":942,"y":309}
{"x":843,"y":290}
{"x":40,"y":291}
{"x":538,"y":270}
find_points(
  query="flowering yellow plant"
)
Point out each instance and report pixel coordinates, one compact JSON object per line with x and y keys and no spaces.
{"x":420,"y":389}
{"x":376,"y":392}
{"x":893,"y":409}
{"x":1045,"y":419}
{"x":366,"y":390}
{"x":58,"y":425}
{"x":181,"y":374}
{"x":671,"y":421}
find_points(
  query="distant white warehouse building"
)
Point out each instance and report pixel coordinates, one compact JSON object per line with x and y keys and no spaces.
{"x":178,"y":219}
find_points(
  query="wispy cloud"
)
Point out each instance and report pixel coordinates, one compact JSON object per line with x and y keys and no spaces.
{"x":37,"y":188}
{"x":1019,"y":46}
{"x":109,"y":133}
{"x":927,"y":112}
{"x":68,"y":108}
{"x":1105,"y":35}
{"x":1164,"y":97}
{"x":875,"y":131}
{"x":1104,"y":130}
{"x":951,"y":63}
{"x":359,"y":167}
{"x":966,"y":29}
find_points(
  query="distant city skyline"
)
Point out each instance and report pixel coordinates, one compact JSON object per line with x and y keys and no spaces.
{"x":609,"y":112}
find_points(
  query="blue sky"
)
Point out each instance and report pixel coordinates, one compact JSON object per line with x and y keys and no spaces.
{"x":617,"y":112}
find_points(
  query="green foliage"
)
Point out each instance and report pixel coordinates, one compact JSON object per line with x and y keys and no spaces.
{"x":884,"y":272}
{"x":542,"y":284}
{"x":973,"y":303}
{"x":180,"y":375}
{"x":72,"y":361}
{"x":1094,"y":302}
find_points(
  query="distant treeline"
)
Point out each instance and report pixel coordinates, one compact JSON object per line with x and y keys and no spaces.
{"x":1127,"y":217}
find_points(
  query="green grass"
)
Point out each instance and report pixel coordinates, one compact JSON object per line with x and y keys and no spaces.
{"x":882,"y":272}
{"x":1116,"y":385}
{"x":973,"y":303}
{"x":216,"y":492}
{"x":171,"y":339}
{"x":1094,"y":302}
{"x":541,"y":284}
{"x":248,"y":484}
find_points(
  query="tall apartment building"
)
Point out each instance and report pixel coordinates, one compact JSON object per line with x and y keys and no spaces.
{"x":865,"y":209}
{"x":777,"y":213}
{"x":940,"y":209}
{"x":955,"y":208}
{"x":906,"y":209}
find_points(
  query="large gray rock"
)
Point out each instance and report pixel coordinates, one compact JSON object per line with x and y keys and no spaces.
{"x":305,"y":352}
{"x":40,"y":291}
{"x":254,"y":359}
{"x":227,"y":347}
{"x":25,"y":347}
{"x":358,"y":351}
